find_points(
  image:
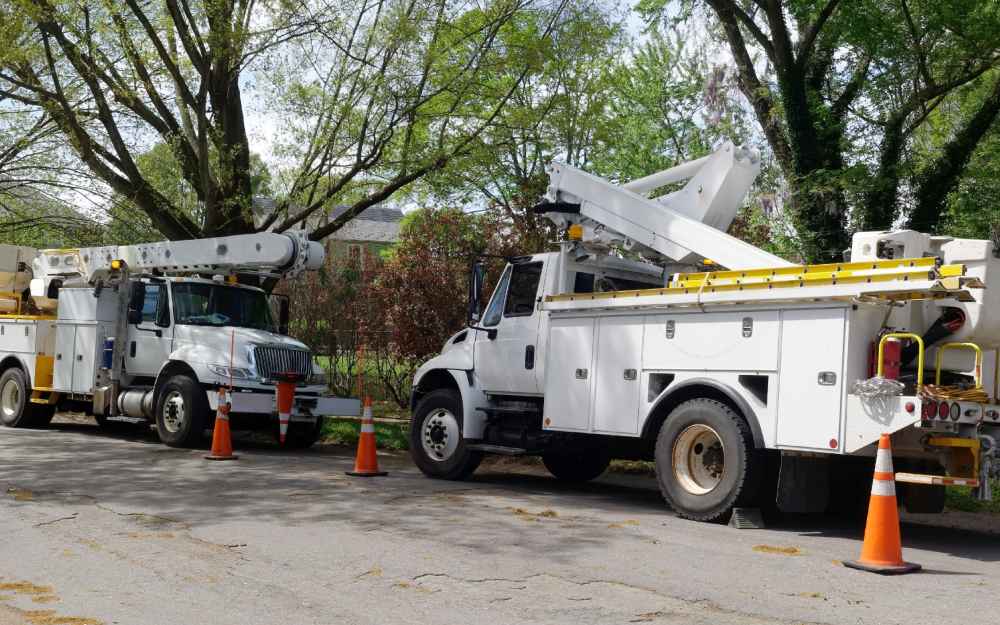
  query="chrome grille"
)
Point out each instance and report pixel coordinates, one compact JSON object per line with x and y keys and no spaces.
{"x":274,"y":359}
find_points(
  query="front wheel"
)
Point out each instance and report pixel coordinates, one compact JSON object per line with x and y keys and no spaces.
{"x":436,"y":443}
{"x":181,"y":412}
{"x":302,"y":435}
{"x":579,"y":466}
{"x":706,"y":463}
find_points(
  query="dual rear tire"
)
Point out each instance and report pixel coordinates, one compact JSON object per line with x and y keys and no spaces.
{"x":706,"y":463}
{"x":16,"y":408}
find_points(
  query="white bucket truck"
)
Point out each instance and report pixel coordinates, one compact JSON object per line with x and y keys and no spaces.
{"x":150,"y":332}
{"x":758,"y":384}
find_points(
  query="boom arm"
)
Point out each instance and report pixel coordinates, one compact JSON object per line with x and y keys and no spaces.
{"x":685,"y":226}
{"x":286,"y":254}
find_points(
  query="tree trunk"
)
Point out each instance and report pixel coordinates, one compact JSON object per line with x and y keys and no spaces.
{"x":229,"y":211}
{"x":878,"y":208}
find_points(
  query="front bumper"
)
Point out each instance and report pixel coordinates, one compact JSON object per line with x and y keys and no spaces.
{"x":305,"y":407}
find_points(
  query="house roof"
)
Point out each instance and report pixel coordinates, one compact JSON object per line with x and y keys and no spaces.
{"x":374,"y":213}
{"x":377,"y":223}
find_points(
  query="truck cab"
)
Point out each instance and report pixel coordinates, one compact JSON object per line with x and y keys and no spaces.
{"x":488,"y":383}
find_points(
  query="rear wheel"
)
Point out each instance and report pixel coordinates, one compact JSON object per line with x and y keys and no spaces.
{"x":579,"y":466}
{"x":706,"y":463}
{"x":16,"y":409}
{"x":181,"y":412}
{"x":436,"y":443}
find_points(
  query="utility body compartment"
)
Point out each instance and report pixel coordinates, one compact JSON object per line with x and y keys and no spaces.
{"x":84,"y":320}
{"x":606,"y":370}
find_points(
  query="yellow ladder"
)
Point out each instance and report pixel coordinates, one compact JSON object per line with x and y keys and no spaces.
{"x":820,"y":275}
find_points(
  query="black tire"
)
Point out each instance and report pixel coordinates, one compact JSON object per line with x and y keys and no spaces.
{"x":186,"y":430}
{"x":741,"y":471}
{"x":454,"y":460}
{"x":580,"y":466}
{"x":16,"y":409}
{"x":302,"y":435}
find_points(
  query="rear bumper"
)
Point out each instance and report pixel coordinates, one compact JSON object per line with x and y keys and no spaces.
{"x":305,"y":407}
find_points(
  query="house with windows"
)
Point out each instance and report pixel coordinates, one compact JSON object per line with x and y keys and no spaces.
{"x":365,"y":236}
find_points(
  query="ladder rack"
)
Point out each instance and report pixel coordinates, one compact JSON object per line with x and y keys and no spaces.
{"x":896,"y":280}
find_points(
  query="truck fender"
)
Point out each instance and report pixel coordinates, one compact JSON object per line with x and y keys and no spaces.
{"x":171,"y":368}
{"x":691,"y":388}
{"x":15,"y":361}
{"x":461,"y":380}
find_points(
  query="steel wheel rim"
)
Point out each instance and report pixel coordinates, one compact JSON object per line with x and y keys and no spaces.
{"x":440,"y":435}
{"x":174,"y":413}
{"x":699,"y":459}
{"x":10,"y":397}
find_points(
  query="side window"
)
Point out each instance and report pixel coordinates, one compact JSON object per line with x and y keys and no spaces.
{"x":163,"y":309}
{"x":522,"y":290}
{"x":492,"y":316}
{"x":151,"y":303}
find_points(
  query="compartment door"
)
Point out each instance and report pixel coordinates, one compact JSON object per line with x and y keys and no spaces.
{"x":62,"y":374}
{"x":84,"y":358}
{"x":616,"y":380}
{"x":810,"y":382}
{"x":569,"y":374}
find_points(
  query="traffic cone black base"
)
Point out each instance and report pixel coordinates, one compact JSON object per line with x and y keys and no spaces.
{"x":899,"y":569}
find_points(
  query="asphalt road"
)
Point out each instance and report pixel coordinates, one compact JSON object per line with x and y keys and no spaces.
{"x":98,"y":528}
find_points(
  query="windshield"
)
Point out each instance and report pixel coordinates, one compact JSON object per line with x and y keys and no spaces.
{"x":221,"y":305}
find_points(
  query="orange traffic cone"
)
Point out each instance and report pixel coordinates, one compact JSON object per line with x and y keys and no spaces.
{"x":882,"y":551}
{"x":366,"y":462}
{"x":222,"y":442}
{"x":284,"y":401}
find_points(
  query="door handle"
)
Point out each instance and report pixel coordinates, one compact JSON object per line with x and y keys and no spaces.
{"x":529,"y":357}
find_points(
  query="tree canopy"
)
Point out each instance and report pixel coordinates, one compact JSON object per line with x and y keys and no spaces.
{"x":368,"y":95}
{"x":870,"y":114}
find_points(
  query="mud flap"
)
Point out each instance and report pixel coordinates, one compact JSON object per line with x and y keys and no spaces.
{"x":803,"y":484}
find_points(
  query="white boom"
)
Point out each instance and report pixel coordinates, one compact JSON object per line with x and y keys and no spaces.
{"x":286,"y":254}
{"x":686,"y":225}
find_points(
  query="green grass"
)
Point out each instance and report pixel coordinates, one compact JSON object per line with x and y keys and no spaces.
{"x":346,"y":432}
{"x":961,"y":498}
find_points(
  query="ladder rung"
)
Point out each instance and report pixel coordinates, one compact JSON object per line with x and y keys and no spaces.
{"x":936,"y":480}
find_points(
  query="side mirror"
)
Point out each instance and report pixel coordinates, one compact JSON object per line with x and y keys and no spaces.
{"x":477,"y":277}
{"x":136,"y":298}
{"x":281,"y":309}
{"x":284,"y":312}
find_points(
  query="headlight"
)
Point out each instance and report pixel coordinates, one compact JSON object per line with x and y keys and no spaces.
{"x":237,"y":373}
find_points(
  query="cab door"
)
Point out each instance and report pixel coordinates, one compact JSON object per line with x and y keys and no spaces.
{"x":150,"y":341}
{"x":506,"y":363}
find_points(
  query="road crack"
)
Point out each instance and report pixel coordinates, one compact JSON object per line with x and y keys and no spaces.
{"x":71,"y":517}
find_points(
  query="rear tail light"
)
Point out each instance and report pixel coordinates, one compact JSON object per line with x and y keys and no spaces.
{"x":910,"y":407}
{"x":928,"y":410}
{"x":943,"y":410}
{"x":956,"y":411}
